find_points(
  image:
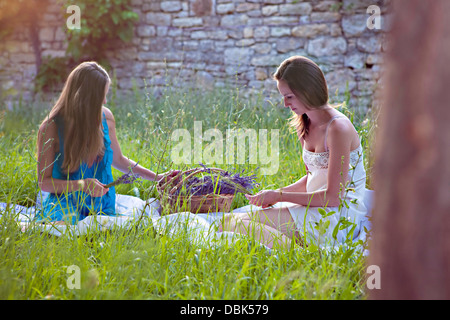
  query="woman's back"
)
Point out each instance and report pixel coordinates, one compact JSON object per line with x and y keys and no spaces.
{"x":77,"y":205}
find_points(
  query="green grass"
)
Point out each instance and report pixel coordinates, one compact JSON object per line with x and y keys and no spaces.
{"x":141,"y":263}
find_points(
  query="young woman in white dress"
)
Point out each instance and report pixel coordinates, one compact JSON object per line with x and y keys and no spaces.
{"x":335,"y":176}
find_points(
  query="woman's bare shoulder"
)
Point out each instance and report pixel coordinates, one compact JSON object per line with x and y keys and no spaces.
{"x":48,"y":135}
{"x":108,"y":114}
{"x":48,"y":127}
{"x":343,"y":129}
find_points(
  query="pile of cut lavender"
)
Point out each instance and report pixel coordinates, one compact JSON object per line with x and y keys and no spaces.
{"x":127,"y":178}
{"x":222,"y":182}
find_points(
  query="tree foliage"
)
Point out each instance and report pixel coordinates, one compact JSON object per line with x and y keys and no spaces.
{"x":103,"y":23}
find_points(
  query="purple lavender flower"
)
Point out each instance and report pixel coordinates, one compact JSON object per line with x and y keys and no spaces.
{"x":127,"y":178}
{"x":223,"y":182}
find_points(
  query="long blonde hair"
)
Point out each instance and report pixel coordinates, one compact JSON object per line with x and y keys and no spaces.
{"x":308,"y":83}
{"x":80,"y":108}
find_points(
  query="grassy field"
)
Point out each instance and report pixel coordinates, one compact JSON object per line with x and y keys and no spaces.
{"x":141,"y":263}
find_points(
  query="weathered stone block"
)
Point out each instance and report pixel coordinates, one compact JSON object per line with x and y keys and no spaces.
{"x":324,"y":17}
{"x":280,"y":20}
{"x":269,"y":10}
{"x":261,"y":32}
{"x":289,"y":44}
{"x":267,"y":60}
{"x":340,"y":79}
{"x":245,"y":42}
{"x":60,"y":35}
{"x":161,"y":44}
{"x":246,"y":6}
{"x":187,"y":22}
{"x":159,"y":19}
{"x":370,"y":45}
{"x":268,"y":1}
{"x":146,"y":31}
{"x":225,"y":8}
{"x":326,"y":46}
{"x":355,"y":25}
{"x":356,"y":5}
{"x":53,"y":53}
{"x":327,"y":6}
{"x":234,"y":20}
{"x":280,"y":31}
{"x":248,"y":32}
{"x":310,"y":31}
{"x":374,"y":59}
{"x":335,"y":30}
{"x":355,"y":61}
{"x":262,"y":48}
{"x":301,"y":8}
{"x":261,"y":74}
{"x":204,"y":80}
{"x":199,"y":35}
{"x":190,"y":45}
{"x":218,"y":34}
{"x":47,"y":34}
{"x":171,"y":6}
{"x":237,"y":55}
{"x":206,"y":45}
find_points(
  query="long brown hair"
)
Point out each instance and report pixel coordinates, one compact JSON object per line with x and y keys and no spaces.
{"x":307,"y":82}
{"x":80,"y":108}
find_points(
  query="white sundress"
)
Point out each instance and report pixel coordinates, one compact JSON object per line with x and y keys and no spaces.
{"x":307,"y":219}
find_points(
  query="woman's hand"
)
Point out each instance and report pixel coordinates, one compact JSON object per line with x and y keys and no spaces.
{"x":93,"y":187}
{"x":167,"y":176}
{"x":264,"y":198}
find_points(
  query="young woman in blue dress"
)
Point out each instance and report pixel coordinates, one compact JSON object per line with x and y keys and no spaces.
{"x":76,"y":148}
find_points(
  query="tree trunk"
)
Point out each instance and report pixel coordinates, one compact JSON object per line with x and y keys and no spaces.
{"x":411,"y":218}
{"x":33,"y":31}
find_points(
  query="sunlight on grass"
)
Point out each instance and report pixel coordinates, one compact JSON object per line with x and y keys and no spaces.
{"x":144,"y":264}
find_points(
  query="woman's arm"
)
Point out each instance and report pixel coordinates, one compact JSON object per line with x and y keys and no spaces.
{"x":46,"y":149}
{"x":339,"y":142}
{"x":298,"y":186}
{"x":122,"y":163}
{"x":267,"y":198}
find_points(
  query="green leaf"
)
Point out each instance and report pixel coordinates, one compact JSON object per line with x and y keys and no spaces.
{"x":322,"y":211}
{"x":347,"y":255}
{"x":335,"y":232}
{"x":115,"y":18}
{"x":322,"y":226}
{"x":330,"y":213}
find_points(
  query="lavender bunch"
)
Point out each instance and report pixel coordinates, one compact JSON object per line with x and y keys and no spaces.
{"x":223,"y":182}
{"x":127,"y":178}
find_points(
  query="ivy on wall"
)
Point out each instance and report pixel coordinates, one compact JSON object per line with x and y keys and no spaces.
{"x":102,"y":23}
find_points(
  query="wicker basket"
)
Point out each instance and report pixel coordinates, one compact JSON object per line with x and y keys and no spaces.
{"x":195,"y":204}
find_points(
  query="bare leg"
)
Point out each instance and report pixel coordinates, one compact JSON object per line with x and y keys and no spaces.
{"x":261,"y":233}
{"x":267,"y":224}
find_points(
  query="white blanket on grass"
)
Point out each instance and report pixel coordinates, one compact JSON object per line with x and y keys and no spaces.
{"x":200,"y":228}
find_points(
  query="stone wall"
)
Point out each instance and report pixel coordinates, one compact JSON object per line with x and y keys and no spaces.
{"x":215,"y":43}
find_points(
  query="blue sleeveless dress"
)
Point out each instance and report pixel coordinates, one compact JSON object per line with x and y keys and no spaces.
{"x":75,"y":206}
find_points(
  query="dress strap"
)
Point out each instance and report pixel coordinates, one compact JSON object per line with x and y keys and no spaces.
{"x":326,"y":131}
